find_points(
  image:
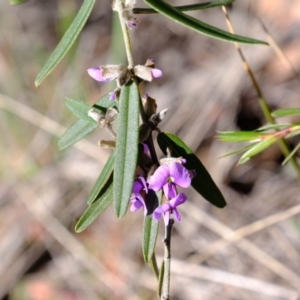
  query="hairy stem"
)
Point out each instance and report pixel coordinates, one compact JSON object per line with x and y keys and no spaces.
{"x":120,"y":8}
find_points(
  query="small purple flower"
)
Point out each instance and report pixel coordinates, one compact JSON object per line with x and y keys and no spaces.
{"x":168,"y":176}
{"x":170,"y":207}
{"x":137,"y":199}
{"x":96,"y":73}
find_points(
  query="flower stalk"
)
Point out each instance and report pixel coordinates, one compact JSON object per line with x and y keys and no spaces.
{"x":120,"y":8}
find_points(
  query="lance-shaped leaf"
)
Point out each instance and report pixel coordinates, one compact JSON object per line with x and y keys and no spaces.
{"x":192,"y":23}
{"x":273,"y":126}
{"x":161,"y":279}
{"x":239,"y":150}
{"x":80,"y":109}
{"x":285,"y":112}
{"x":83,"y":126}
{"x":202,"y":182}
{"x":67,"y":40}
{"x":257,"y":148}
{"x":238,"y":136}
{"x":191,"y":7}
{"x":96,"y":208}
{"x":150,"y":228}
{"x":102,"y":179}
{"x":126,"y":147}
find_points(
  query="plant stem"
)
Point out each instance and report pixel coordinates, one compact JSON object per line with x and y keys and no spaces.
{"x":262,"y":101}
{"x":125,"y":32}
{"x":167,"y":261}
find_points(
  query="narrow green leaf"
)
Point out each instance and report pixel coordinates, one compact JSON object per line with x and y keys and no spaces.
{"x":239,"y":150}
{"x":238,"y":136}
{"x":96,"y":208}
{"x":273,"y":126}
{"x":293,"y":133}
{"x":126,"y":147}
{"x":202,"y":182}
{"x":80,"y":109}
{"x":75,"y":133}
{"x":259,"y":147}
{"x":291,"y":154}
{"x":81,"y":128}
{"x":192,"y":23}
{"x":14,"y":2}
{"x":102,"y":179}
{"x":161,"y":279}
{"x":150,"y":228}
{"x":67,"y":40}
{"x":285,"y":112}
{"x":191,"y":7}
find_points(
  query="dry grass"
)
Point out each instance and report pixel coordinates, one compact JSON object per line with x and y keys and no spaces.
{"x":249,"y":250}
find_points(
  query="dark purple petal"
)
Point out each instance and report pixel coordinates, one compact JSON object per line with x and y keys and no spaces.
{"x":176,"y":214}
{"x":170,"y":190}
{"x":137,"y":187}
{"x":180,"y":175}
{"x":178,"y":200}
{"x":159,"y":178}
{"x":162,"y":209}
{"x":135,"y":205}
{"x":144,"y":183}
{"x":156,"y":73}
{"x":138,"y":202}
{"x":96,"y":73}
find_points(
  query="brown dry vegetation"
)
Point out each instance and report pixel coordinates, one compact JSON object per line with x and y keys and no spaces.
{"x":248,"y":250}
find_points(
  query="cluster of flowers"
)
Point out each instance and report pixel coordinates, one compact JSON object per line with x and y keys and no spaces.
{"x":171,"y":172}
{"x":166,"y":177}
{"x":123,"y":74}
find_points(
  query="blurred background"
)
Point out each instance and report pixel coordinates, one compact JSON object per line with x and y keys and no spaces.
{"x":248,"y":250}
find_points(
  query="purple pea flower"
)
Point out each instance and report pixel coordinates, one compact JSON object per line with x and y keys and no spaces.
{"x":96,"y":73}
{"x":170,"y":207}
{"x":168,"y":176}
{"x":137,"y":199}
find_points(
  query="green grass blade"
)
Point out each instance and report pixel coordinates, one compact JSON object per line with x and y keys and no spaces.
{"x":256,"y":149}
{"x":102,"y":179}
{"x":126,"y":147}
{"x":291,"y":154}
{"x":192,"y":23}
{"x":202,"y":182}
{"x":67,"y":40}
{"x":238,"y":136}
{"x":96,"y":208}
{"x":285,"y":112}
{"x":191,"y":7}
{"x":150,"y":228}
